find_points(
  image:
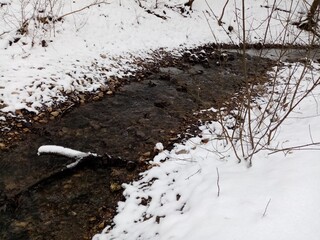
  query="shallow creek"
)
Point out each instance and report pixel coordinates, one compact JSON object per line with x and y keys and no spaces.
{"x":126,"y":125}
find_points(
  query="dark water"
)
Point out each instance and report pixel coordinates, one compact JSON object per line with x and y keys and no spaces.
{"x":127,"y":125}
{"x":287,"y":54}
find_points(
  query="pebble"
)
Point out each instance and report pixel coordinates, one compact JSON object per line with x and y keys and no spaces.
{"x":114,"y":187}
{"x":101,"y":225}
{"x":147,"y":154}
{"x":82,"y":97}
{"x":96,"y":98}
{"x":140,"y":134}
{"x":67,"y":186}
{"x":19,"y":113}
{"x":20,"y":224}
{"x":103,"y":88}
{"x":2,"y":146}
{"x":55,"y":113}
{"x":26,"y":130}
{"x":43,"y":121}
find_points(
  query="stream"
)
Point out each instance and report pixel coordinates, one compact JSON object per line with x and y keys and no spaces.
{"x":127,"y":125}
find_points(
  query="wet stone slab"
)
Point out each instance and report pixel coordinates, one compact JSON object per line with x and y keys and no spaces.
{"x":127,"y":125}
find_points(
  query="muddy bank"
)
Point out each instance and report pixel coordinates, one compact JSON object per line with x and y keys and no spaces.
{"x":127,"y":125}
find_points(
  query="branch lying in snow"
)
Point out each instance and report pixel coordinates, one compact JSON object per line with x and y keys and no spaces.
{"x":5,"y":32}
{"x":266,"y":208}
{"x":218,"y":182}
{"x":299,"y":147}
{"x":81,"y":9}
{"x":65,"y":152}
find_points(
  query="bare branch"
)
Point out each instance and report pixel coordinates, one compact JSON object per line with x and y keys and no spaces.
{"x":5,"y":32}
{"x":298,"y":147}
{"x":224,"y":7}
{"x":81,"y":9}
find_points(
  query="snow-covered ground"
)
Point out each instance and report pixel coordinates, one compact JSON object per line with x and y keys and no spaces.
{"x":197,"y":192}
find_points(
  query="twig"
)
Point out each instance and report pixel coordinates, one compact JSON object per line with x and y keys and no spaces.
{"x":218,"y":182}
{"x":211,"y":29}
{"x":266,"y":208}
{"x":220,"y":19}
{"x":310,"y":134}
{"x":81,"y":9}
{"x":198,"y":171}
{"x":5,"y":32}
{"x":294,"y":147}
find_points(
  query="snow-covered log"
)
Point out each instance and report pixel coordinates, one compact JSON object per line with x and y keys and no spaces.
{"x":65,"y":152}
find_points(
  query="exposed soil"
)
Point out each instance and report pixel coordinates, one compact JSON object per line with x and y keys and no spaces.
{"x":128,"y":125}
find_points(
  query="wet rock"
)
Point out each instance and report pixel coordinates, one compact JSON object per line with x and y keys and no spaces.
{"x":131,"y":165}
{"x":26,"y":130}
{"x":104,"y":88}
{"x":115,"y":187}
{"x":161,"y":104}
{"x":151,"y":84}
{"x":20,"y":224}
{"x":43,"y":121}
{"x":146,"y":154}
{"x":55,"y":113}
{"x":140,"y":134}
{"x":96,"y":98}
{"x":101,"y":225}
{"x":182,"y":89}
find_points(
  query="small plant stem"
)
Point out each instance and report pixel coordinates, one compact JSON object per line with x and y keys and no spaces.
{"x":266,"y":208}
{"x":218,"y":182}
{"x":245,"y":72}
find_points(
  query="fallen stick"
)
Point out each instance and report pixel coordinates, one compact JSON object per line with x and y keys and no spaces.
{"x":66,"y":152}
{"x":82,"y":159}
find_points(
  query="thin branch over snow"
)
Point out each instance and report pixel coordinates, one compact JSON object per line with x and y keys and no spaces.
{"x":266,"y":208}
{"x":81,"y":9}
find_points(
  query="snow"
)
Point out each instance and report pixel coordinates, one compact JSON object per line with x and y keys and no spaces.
{"x":66,"y":152}
{"x":198,"y":190}
{"x":159,"y":147}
